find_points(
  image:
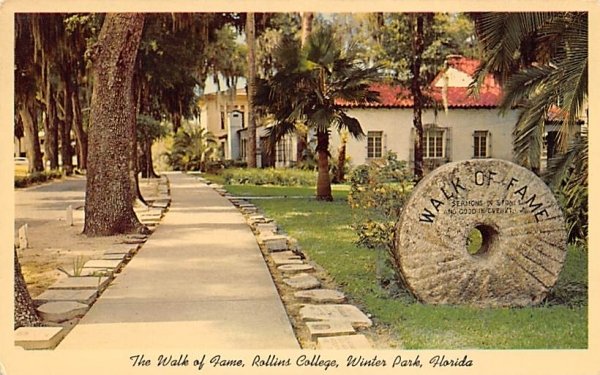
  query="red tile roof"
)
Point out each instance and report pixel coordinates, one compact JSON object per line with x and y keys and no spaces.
{"x":393,"y":96}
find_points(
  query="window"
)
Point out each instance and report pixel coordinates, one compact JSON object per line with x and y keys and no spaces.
{"x":480,"y":144}
{"x":222,"y":120}
{"x":434,"y":143}
{"x":374,"y":144}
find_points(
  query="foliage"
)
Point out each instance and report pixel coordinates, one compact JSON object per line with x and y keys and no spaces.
{"x":149,"y":129}
{"x":378,"y":192}
{"x":226,"y":57}
{"x":571,"y":288}
{"x":36,"y":177}
{"x":542,"y":58}
{"x":270,"y":176}
{"x":325,"y":235}
{"x":192,"y":148}
{"x":385,"y":38}
{"x":320,"y":74}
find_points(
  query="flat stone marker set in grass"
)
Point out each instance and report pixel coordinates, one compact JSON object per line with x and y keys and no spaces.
{"x":295,"y":268}
{"x":266,"y":228}
{"x":274,"y":242}
{"x":347,"y":313}
{"x":39,"y":338}
{"x":302,"y":281}
{"x":329,"y":328}
{"x":343,"y":342}
{"x":23,"y":237}
{"x":320,"y":296}
{"x":85,"y":296}
{"x":81,"y":282}
{"x":58,"y":312}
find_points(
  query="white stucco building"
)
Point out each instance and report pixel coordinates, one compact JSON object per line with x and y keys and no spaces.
{"x":460,"y":127}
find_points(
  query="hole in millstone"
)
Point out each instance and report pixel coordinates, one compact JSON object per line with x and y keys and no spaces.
{"x":480,"y":239}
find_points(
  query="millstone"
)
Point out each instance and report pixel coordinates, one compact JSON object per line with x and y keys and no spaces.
{"x":522,"y":228}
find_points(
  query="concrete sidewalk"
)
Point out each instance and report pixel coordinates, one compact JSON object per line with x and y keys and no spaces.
{"x":199,"y":281}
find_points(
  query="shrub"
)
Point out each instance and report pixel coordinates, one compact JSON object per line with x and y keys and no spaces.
{"x":269,"y":176}
{"x":36,"y":177}
{"x":377,"y":195}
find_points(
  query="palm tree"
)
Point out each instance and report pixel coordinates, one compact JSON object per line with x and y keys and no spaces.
{"x":542,"y":60}
{"x":307,"y":89}
{"x":192,"y":148}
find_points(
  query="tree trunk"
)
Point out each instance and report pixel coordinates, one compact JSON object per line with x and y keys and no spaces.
{"x":66,"y":122}
{"x":418,"y":47}
{"x":302,"y":137}
{"x":341,"y":162}
{"x":307,"y":20}
{"x":65,"y":132}
{"x":50,"y":123}
{"x":146,"y":159}
{"x":25,"y":314}
{"x":80,"y":134}
{"x":109,"y":205}
{"x":32,"y":141}
{"x":251,"y":81}
{"x":176,"y":118}
{"x":323,"y":179}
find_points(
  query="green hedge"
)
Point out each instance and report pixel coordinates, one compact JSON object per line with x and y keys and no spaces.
{"x":36,"y":177}
{"x":270,"y":176}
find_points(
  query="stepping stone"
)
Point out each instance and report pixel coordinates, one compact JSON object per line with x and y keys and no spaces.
{"x":349,"y":313}
{"x":256,"y":219}
{"x":138,"y":236}
{"x":120,"y":257}
{"x":295,"y":268}
{"x":38,"y":338}
{"x":285,"y":255}
{"x":97,"y":272}
{"x":344,"y":342}
{"x":85,"y":296}
{"x":274,"y":243}
{"x":124,"y":249}
{"x":149,"y":215}
{"x":280,"y":261}
{"x":266,"y":228}
{"x":329,"y":328}
{"x":302,"y":281}
{"x":23,"y":237}
{"x":149,"y":221}
{"x":133,"y":241}
{"x":58,"y":312}
{"x":321,"y":296}
{"x":161,"y":203}
{"x":103,"y":264}
{"x":249,"y":210}
{"x":86,"y":282}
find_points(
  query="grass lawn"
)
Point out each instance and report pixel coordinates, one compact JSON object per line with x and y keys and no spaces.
{"x":323,"y":230}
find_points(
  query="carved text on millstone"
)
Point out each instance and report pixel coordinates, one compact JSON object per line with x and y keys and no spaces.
{"x":451,"y":201}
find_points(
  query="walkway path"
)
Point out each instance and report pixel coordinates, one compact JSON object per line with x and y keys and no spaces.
{"x":199,"y":281}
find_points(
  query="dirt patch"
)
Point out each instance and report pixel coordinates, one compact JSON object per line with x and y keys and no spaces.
{"x":53,"y":244}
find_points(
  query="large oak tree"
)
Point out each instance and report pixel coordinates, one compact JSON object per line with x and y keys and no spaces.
{"x":109,"y":203}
